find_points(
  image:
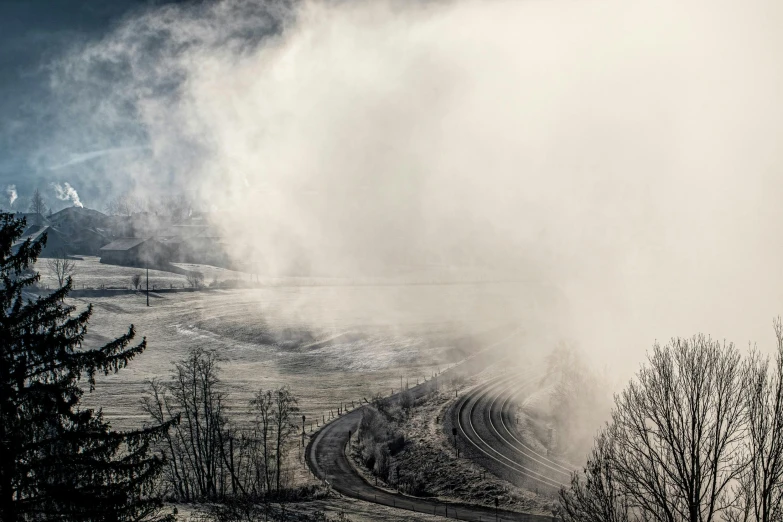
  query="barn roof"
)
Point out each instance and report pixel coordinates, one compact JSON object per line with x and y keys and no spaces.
{"x":126,"y":243}
{"x":34,"y":232}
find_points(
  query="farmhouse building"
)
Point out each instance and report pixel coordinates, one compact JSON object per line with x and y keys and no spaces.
{"x":134,"y":251}
{"x":192,"y":241}
{"x":84,"y":228}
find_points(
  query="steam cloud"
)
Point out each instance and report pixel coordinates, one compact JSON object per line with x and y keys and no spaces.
{"x":628,"y":152}
{"x":10,"y":191}
{"x":66,"y":192}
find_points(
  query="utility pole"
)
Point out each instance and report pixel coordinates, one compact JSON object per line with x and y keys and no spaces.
{"x":148,"y":283}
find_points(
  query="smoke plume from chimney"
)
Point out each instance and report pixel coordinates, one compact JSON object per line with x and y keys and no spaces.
{"x":66,"y":192}
{"x":10,"y":190}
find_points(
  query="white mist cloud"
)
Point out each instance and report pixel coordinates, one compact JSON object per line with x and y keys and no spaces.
{"x":10,"y":191}
{"x":66,"y":192}
{"x":626,"y":151}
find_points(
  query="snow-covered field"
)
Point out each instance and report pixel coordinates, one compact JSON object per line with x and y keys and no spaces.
{"x":90,"y":273}
{"x":328,"y":343}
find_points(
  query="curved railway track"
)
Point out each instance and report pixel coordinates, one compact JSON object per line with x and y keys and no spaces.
{"x":486,"y":432}
{"x":325,"y":454}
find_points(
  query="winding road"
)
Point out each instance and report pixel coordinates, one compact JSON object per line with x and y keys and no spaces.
{"x":327,"y":457}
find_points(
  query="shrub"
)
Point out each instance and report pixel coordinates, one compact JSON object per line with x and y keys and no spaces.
{"x":396,"y":444}
{"x":406,"y":401}
{"x":381,"y":467}
{"x":195,"y":279}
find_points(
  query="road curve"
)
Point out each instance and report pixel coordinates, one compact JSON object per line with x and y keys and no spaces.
{"x":327,"y":459}
{"x":486,"y":433}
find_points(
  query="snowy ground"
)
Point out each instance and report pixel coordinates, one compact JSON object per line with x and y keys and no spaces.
{"x":91,"y":273}
{"x":329,"y":344}
{"x":353,"y":510}
{"x":329,"y":341}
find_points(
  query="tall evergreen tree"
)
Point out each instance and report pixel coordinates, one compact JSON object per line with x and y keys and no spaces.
{"x":59,"y":461}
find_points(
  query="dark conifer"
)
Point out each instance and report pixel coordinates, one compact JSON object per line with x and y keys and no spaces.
{"x":57,"y":460}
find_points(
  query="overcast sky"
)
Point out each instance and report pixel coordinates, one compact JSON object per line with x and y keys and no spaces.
{"x":33,"y":33}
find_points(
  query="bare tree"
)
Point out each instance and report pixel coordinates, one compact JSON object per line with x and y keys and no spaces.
{"x":111,"y":207}
{"x":262,"y":407}
{"x":595,"y":494}
{"x":197,"y":449}
{"x":118,"y":207}
{"x":678,"y":430}
{"x":125,"y":205}
{"x":37,"y":205}
{"x":760,"y":490}
{"x":207,"y":457}
{"x":136,"y":281}
{"x":458,"y":380}
{"x":177,"y":207}
{"x":61,"y":268}
{"x":285,"y":409}
{"x":697,"y":437}
{"x":195,"y":279}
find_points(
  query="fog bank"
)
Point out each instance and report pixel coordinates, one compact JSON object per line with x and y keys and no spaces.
{"x":627,"y":152}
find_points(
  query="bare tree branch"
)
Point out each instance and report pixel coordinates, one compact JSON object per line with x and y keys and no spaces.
{"x":61,"y":268}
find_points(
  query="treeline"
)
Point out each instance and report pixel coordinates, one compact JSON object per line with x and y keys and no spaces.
{"x":209,"y":454}
{"x":697,"y":437}
{"x":176,"y":206}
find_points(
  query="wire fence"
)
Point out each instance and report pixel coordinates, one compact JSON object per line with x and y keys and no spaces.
{"x":424,"y":506}
{"x":422,"y":386}
{"x":430,"y":507}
